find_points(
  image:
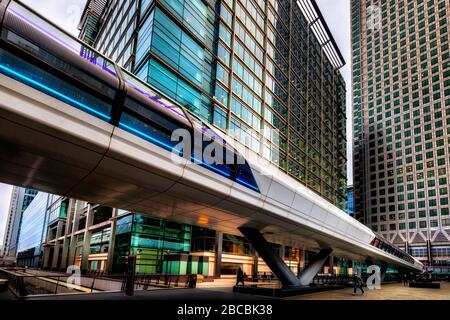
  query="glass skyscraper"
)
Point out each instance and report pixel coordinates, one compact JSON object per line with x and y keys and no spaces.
{"x":150,"y":240}
{"x":33,"y":232}
{"x":267,"y":72}
{"x":401,"y":104}
{"x":21,"y":198}
{"x":350,"y":201}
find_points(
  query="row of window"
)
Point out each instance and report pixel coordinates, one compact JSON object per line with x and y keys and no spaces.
{"x":380,"y":244}
{"x":413,"y":225}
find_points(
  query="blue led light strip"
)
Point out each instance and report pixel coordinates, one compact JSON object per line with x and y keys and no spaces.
{"x":170,"y":148}
{"x":247,"y":184}
{"x":82,"y":105}
{"x":48,"y":89}
{"x":226,"y":174}
{"x":142,"y":134}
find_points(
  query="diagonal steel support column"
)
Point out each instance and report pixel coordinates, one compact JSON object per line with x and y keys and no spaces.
{"x":277,"y":265}
{"x":383,"y":270}
{"x":273,"y":261}
{"x":308,"y":274}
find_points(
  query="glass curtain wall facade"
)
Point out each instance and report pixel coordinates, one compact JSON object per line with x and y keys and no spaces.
{"x":10,"y":221}
{"x":100,"y":239}
{"x":401,"y":104}
{"x":33,"y":232}
{"x":20,"y":200}
{"x":90,"y":20}
{"x":253,"y":68}
{"x":79,"y":233}
{"x":350,"y":201}
{"x":150,"y":239}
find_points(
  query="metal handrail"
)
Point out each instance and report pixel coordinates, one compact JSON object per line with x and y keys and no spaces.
{"x":18,"y":281}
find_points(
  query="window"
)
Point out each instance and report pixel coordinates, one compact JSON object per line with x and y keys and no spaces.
{"x":221,"y":94}
{"x":223,"y":54}
{"x":222,"y":74}
{"x":220,"y":118}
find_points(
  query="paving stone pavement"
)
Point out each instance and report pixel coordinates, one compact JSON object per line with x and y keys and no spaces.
{"x":223,"y":290}
{"x":387,"y":292}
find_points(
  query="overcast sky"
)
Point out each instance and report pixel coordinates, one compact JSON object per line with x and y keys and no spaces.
{"x":66,"y":13}
{"x":337,"y":16}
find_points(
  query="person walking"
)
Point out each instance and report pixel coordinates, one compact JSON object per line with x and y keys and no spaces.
{"x":357,"y":284}
{"x":405,"y":280}
{"x":240,"y":277}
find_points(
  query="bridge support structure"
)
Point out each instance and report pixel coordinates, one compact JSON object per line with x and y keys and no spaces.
{"x":278,"y":266}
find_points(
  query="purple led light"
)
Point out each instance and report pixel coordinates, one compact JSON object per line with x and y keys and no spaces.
{"x":94,"y":61}
{"x":62,"y":42}
{"x":157,"y":100}
{"x":15,"y":13}
{"x":207,"y":131}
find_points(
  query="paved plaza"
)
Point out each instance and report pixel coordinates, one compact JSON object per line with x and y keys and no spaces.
{"x":387,"y":292}
{"x":218,"y":291}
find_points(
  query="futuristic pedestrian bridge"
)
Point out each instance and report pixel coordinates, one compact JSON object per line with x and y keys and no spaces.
{"x":73,"y":123}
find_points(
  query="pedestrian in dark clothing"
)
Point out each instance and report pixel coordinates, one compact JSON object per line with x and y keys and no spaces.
{"x":240,"y":277}
{"x":357,"y":284}
{"x":405,"y":280}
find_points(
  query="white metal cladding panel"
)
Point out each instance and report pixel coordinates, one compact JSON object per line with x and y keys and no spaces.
{"x":195,"y":175}
{"x":276,"y":208}
{"x":318,"y":213}
{"x":49,"y":112}
{"x":141,"y":153}
{"x":246,"y":195}
{"x":282,"y":194}
{"x":262,"y":180}
{"x":301,"y":204}
{"x":307,"y":207}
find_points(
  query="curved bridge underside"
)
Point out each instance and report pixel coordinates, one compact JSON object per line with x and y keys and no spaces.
{"x":50,"y":146}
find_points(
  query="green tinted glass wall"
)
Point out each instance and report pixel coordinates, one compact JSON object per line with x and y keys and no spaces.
{"x":150,"y":239}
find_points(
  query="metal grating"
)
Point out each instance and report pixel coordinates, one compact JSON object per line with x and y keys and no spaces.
{"x":323,"y":34}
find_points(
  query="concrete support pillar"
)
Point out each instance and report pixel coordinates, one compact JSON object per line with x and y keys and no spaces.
{"x":282,"y":249}
{"x":331,"y":264}
{"x":76,"y":220}
{"x":430,"y":253}
{"x":302,"y":260}
{"x":48,"y":260}
{"x":67,"y":232}
{"x":109,"y":262}
{"x":87,"y":240}
{"x":255,"y":265}
{"x":218,"y":255}
{"x":72,"y":250}
{"x":65,"y":253}
{"x":45,"y":262}
{"x":73,"y":239}
{"x":59,"y":230}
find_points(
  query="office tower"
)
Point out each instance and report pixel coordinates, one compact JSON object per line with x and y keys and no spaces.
{"x":33,"y":232}
{"x":100,"y":239}
{"x":350,"y":201}
{"x":401,"y":104}
{"x":265,"y":71}
{"x":112,"y":133}
{"x":20,"y":200}
{"x":90,"y":22}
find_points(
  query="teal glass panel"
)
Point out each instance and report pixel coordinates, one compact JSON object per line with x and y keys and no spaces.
{"x":150,"y":239}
